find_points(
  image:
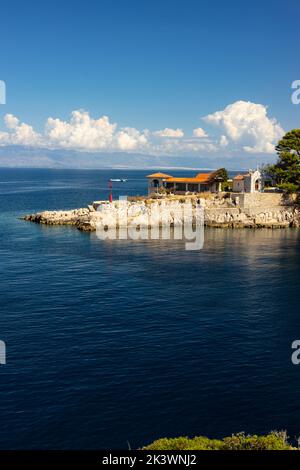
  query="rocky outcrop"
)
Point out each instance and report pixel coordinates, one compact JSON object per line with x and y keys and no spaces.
{"x":239,"y":218}
{"x":217,"y":211}
{"x":70,"y":217}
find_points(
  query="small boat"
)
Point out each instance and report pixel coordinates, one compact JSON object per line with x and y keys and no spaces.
{"x":118,"y":180}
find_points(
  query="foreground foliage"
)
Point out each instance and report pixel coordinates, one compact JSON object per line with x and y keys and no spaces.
{"x":286,"y":172}
{"x":272,"y":441}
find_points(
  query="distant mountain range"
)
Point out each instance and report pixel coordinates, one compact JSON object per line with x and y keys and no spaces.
{"x":25,"y":157}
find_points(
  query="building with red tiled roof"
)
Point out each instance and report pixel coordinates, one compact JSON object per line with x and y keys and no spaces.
{"x":250,"y":182}
{"x":158,"y":175}
{"x":180,"y":185}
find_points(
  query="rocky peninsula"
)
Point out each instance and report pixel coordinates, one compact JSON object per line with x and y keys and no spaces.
{"x":224,"y":210}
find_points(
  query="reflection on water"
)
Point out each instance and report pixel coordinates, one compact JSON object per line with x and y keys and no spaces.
{"x":120,"y":340}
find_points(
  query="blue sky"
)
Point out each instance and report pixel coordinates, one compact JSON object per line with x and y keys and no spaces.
{"x":150,"y":64}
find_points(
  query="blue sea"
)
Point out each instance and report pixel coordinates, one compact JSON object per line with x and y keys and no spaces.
{"x":112,"y":344}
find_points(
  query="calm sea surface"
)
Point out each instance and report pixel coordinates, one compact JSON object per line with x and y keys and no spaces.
{"x":110,"y":342}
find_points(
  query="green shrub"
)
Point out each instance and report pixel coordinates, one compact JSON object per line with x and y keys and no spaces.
{"x":227,"y":186}
{"x":272,"y":441}
{"x":288,"y":188}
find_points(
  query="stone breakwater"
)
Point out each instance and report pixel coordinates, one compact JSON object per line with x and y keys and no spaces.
{"x":233,"y":211}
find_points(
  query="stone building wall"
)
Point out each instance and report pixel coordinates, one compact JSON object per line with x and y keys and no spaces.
{"x":263,"y":200}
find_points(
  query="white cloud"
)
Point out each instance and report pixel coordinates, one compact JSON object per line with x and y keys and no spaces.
{"x":19,"y":133}
{"x":167,"y":132}
{"x":245,"y":127}
{"x":86,"y":133}
{"x":248,"y":124}
{"x":199,"y":132}
{"x":11,"y":121}
{"x":81,"y":132}
{"x":223,"y":141}
{"x":131,"y":139}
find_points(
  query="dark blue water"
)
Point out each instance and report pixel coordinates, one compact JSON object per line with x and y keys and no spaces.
{"x":110,"y":342}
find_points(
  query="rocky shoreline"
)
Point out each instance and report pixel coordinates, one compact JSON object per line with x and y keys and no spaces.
{"x":219,"y":211}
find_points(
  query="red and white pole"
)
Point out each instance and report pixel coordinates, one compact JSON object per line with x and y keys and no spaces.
{"x":110,"y":191}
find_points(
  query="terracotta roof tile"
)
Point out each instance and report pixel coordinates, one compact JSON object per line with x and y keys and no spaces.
{"x":158,"y":175}
{"x":239,"y":177}
{"x":199,"y":178}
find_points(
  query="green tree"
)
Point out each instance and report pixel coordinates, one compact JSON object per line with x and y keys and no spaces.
{"x":286,"y":172}
{"x":222,"y":175}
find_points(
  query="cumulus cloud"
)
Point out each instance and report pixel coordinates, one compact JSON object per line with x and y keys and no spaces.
{"x":167,"y":132}
{"x":130,"y":139}
{"x":248,"y":124}
{"x":199,"y":132}
{"x":19,"y":133}
{"x":81,"y":132}
{"x":11,"y":121}
{"x":223,"y":141}
{"x":244,"y":126}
